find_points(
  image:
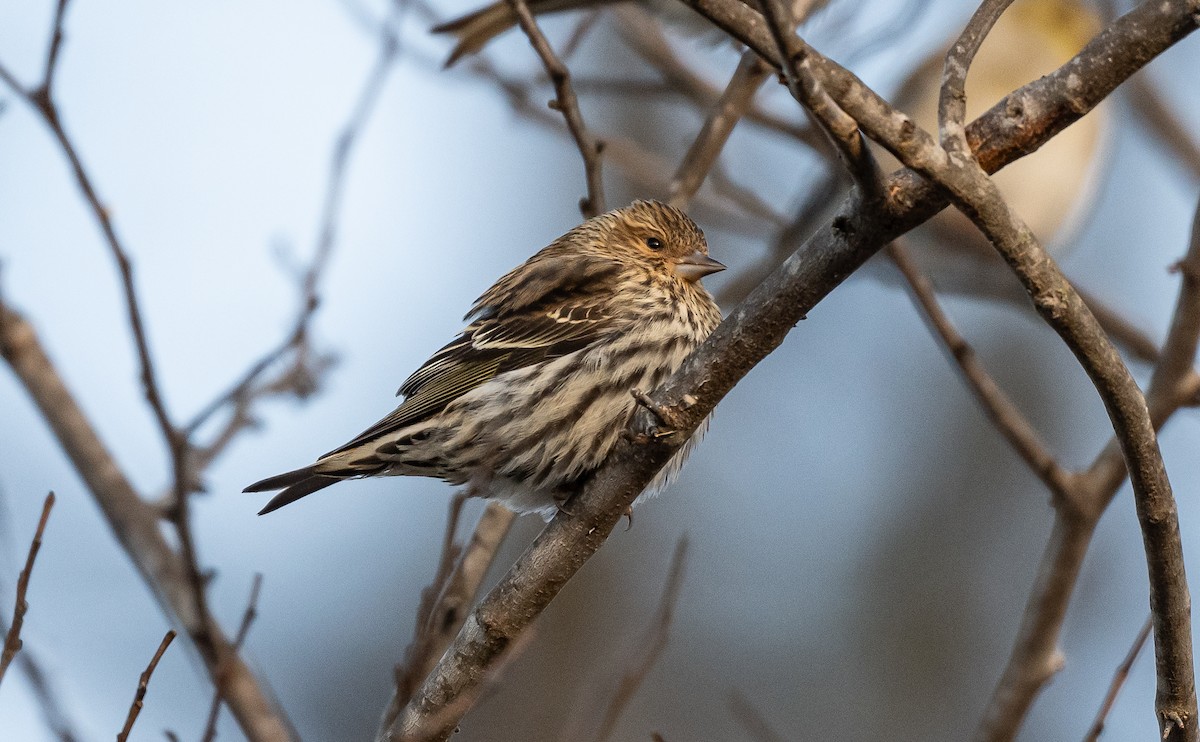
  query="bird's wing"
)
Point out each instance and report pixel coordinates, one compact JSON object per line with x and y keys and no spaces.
{"x":489,"y":346}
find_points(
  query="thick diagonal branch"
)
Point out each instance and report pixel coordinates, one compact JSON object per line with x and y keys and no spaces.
{"x":1064,"y":310}
{"x":136,"y":527}
{"x":758,"y":326}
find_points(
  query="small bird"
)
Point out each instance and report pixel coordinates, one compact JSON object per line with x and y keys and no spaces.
{"x":528,"y":401}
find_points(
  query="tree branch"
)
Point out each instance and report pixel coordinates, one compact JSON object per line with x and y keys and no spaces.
{"x":1001,"y":410}
{"x":566,"y":103}
{"x":143,"y":683}
{"x":12,"y":638}
{"x":759,"y":325}
{"x":737,"y":99}
{"x":135,"y":525}
{"x":1063,"y":309}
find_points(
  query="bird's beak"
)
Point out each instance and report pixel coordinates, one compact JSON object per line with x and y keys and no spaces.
{"x":696,"y":265}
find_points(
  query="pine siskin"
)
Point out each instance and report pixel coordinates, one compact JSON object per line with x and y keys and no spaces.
{"x":527,"y":402}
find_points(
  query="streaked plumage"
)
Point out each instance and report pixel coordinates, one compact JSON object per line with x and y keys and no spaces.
{"x":532,"y":396}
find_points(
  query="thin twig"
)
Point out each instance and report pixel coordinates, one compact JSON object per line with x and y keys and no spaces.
{"x":1153,"y":111}
{"x":840,"y":129}
{"x":56,"y":37}
{"x":952,"y":99}
{"x":1119,"y":676}
{"x":210,"y":726}
{"x":55,"y":718}
{"x":12,"y":639}
{"x":135,"y":525}
{"x":177,"y":445}
{"x":752,"y":719}
{"x":567,"y":104}
{"x":642,"y":32}
{"x":651,"y":645}
{"x":139,"y":696}
{"x":737,"y":99}
{"x":410,"y":672}
{"x":1003,"y":413}
{"x":755,"y":329}
{"x":446,"y":602}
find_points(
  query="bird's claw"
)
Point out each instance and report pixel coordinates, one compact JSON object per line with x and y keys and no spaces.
{"x":667,"y":417}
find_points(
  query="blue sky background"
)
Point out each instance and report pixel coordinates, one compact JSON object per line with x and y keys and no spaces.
{"x":862,"y":541}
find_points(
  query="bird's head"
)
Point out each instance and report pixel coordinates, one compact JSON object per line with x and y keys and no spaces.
{"x":660,"y":238}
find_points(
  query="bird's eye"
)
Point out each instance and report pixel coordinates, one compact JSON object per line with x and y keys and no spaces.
{"x":654,"y":243}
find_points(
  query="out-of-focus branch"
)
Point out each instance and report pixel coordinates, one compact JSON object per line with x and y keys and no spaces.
{"x":1063,"y":309}
{"x":251,"y":612}
{"x":12,"y":638}
{"x":135,"y":524}
{"x":1148,"y":105}
{"x":567,"y":104}
{"x":756,"y":328}
{"x":446,"y":603}
{"x":753,"y":721}
{"x":56,"y":719}
{"x":139,"y":696}
{"x":640,"y":29}
{"x":738,"y":97}
{"x":1003,"y":413}
{"x":651,"y":646}
{"x":1119,"y":677}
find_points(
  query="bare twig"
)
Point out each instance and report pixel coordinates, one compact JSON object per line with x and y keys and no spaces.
{"x":752,"y":719}
{"x":56,"y":37}
{"x":732,"y":106}
{"x":12,"y":638}
{"x":1063,"y":309}
{"x":210,"y":726}
{"x":445,"y":603}
{"x":1003,"y":413}
{"x":56,"y":719}
{"x":136,"y":526}
{"x":726,"y":205}
{"x":174,"y":576}
{"x":651,"y":646}
{"x":1119,"y":676}
{"x":952,"y":100}
{"x":1155,"y":113}
{"x":756,"y":328}
{"x":567,"y":104}
{"x":840,"y":129}
{"x":413,"y":670}
{"x":177,"y":445}
{"x":641,"y":30}
{"x":139,"y":696}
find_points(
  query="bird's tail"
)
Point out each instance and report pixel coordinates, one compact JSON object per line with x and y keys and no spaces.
{"x":295,"y":484}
